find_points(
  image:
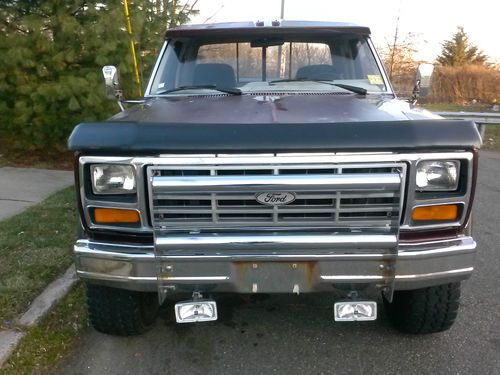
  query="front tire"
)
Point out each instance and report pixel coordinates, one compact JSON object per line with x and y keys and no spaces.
{"x":426,"y":310}
{"x":121,"y":312}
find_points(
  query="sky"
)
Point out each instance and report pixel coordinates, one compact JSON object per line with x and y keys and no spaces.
{"x":431,"y":21}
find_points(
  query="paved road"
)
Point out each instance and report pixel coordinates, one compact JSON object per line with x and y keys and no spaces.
{"x":24,"y":187}
{"x":296,"y":335}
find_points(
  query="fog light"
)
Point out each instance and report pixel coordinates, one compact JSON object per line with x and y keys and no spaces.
{"x":195,"y":311}
{"x":351,"y":311}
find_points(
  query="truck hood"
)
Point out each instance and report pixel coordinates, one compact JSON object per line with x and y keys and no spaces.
{"x":292,"y":123}
{"x":264,"y":109}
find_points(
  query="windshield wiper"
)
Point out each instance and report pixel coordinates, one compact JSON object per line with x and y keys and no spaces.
{"x":227,"y":90}
{"x":355,"y":89}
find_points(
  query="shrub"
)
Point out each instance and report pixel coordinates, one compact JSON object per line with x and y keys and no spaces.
{"x":464,"y":84}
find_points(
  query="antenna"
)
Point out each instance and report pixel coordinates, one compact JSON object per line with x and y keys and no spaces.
{"x":213,"y":15}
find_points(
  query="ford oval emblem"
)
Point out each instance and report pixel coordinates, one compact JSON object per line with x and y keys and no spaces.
{"x":275,"y":199}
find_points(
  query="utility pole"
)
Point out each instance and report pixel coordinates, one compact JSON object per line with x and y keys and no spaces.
{"x":173,"y":16}
{"x":132,"y":48}
{"x":393,"y":52}
{"x":394,"y":44}
{"x":282,"y":15}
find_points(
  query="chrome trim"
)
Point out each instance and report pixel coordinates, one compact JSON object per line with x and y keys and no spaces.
{"x":382,"y":181}
{"x":198,"y":278}
{"x":467,"y":270}
{"x":113,"y":251}
{"x":412,"y":200}
{"x":155,"y":70}
{"x":283,"y":257}
{"x":213,"y":217}
{"x":275,"y":242}
{"x":108,"y":277}
{"x":122,"y":247}
{"x":352,"y":277}
{"x":408,"y":247}
{"x":106,"y":201}
{"x":411,"y":250}
{"x":185,"y":160}
{"x":265,"y":160}
{"x":380,"y":65}
{"x":420,"y":264}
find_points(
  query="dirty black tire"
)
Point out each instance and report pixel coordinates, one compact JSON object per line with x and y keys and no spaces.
{"x":426,"y":310}
{"x":121,"y":312}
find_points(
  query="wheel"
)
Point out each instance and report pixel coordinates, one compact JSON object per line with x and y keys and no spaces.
{"x":426,"y":310}
{"x":121,"y":312}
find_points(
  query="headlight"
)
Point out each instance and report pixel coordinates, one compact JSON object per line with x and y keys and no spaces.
{"x":437,"y":175}
{"x":112,"y":179}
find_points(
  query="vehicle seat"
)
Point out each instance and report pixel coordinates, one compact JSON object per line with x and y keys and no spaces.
{"x":221,"y":75}
{"x":321,"y":71}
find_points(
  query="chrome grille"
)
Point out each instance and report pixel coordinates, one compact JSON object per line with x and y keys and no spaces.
{"x":224,"y":196}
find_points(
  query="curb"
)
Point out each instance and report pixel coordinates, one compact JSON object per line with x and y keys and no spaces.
{"x":8,"y":342}
{"x":40,"y":307}
{"x":42,"y":304}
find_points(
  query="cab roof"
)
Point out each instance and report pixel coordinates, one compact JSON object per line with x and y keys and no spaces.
{"x":265,"y":28}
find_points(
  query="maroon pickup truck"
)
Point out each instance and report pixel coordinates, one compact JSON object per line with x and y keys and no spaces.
{"x":273,"y":158}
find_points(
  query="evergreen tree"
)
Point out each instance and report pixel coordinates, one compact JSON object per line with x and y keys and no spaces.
{"x":51,"y":54}
{"x":459,"y":51}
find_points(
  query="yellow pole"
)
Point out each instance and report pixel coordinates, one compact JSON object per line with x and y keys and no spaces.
{"x":132,"y":47}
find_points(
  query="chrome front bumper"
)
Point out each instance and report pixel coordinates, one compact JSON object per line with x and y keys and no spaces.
{"x":281,"y":264}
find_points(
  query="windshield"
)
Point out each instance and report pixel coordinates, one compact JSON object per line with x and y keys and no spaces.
{"x":267,"y":65}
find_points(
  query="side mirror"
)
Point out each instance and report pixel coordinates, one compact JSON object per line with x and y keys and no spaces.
{"x":422,"y":82}
{"x":112,"y":82}
{"x":424,"y":75}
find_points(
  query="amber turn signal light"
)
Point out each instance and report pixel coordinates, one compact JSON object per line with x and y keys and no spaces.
{"x":439,"y":212}
{"x":113,"y":215}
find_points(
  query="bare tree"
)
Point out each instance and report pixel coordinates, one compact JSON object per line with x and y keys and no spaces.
{"x":399,"y":62}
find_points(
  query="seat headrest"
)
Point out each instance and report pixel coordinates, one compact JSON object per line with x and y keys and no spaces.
{"x":221,"y":75}
{"x":320,"y":71}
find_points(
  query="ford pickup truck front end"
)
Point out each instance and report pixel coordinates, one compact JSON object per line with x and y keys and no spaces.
{"x":315,"y":192}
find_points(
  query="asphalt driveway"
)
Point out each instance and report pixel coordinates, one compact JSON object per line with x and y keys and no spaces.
{"x":297,"y":335}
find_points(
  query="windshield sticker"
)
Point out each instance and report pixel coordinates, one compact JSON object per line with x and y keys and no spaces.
{"x":161,"y":85}
{"x":375,"y":79}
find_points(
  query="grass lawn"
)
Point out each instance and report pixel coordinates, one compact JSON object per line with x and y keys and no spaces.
{"x":492,"y":138}
{"x":35,"y":248}
{"x":451,"y":107}
{"x":45,"y":344}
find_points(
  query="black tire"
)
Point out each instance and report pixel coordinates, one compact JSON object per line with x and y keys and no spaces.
{"x":121,"y":312}
{"x":426,"y":310}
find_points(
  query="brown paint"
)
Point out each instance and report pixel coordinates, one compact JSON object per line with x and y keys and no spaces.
{"x":241,"y":270}
{"x":309,"y":268}
{"x":389,"y":270}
